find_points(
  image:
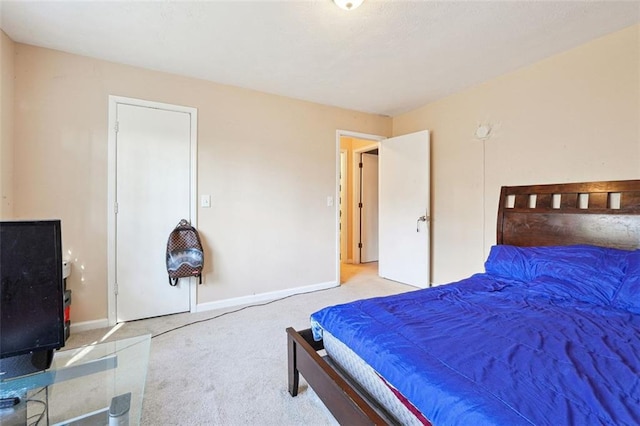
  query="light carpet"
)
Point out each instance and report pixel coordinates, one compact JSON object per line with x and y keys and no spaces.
{"x":232,"y":370}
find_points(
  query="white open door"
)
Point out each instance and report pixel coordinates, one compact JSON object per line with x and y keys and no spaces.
{"x":403,"y":209}
{"x":369,"y":208}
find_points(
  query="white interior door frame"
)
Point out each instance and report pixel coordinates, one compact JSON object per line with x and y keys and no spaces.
{"x":344,"y":206}
{"x":356,"y":187}
{"x":349,"y":134}
{"x":111,"y":189}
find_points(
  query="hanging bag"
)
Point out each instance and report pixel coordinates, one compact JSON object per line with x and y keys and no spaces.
{"x":185,"y":257}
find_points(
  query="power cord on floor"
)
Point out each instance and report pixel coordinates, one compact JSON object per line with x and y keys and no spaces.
{"x":45,"y":410}
{"x":237,"y":310}
{"x":40,"y":415}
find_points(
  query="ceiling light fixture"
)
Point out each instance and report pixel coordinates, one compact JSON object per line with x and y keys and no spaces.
{"x":348,"y":4}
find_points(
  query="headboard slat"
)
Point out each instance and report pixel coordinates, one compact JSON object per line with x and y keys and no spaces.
{"x":522,"y":201}
{"x":599,"y":200}
{"x":544,"y":201}
{"x":630,"y":200}
{"x":569,"y":201}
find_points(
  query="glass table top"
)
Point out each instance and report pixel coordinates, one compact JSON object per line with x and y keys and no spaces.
{"x":102,"y":383}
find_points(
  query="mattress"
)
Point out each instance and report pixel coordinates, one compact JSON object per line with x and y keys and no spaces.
{"x":375,"y":386}
{"x":541,"y":341}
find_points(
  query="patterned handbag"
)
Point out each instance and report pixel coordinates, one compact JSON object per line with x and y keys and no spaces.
{"x":185,"y":257}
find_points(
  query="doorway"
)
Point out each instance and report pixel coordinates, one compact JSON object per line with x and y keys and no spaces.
{"x":152,"y":152}
{"x":403,"y":204}
{"x":349,"y":147}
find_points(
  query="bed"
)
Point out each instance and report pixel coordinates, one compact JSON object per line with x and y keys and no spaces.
{"x":548,"y":334}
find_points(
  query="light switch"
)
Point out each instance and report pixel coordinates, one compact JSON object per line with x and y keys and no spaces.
{"x":329,"y":201}
{"x":205,"y":200}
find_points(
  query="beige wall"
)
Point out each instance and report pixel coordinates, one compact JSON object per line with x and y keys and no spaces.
{"x":572,"y":117}
{"x":268,"y":163}
{"x":7,"y":75}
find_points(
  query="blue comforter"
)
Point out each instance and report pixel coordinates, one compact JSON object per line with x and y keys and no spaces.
{"x":528,"y":342}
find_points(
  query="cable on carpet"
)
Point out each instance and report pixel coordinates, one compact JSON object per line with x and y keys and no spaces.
{"x":40,"y":415}
{"x":237,"y":310}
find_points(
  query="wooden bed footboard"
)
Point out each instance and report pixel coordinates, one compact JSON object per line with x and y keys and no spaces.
{"x":347,"y":404}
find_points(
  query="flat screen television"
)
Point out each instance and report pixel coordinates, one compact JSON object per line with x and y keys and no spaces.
{"x":31,"y":296}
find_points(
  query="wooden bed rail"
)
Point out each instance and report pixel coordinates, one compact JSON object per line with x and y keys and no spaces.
{"x":348,"y":405}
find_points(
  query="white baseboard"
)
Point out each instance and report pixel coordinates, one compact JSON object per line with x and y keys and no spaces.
{"x":89,"y":325}
{"x":221,"y":304}
{"x":262,"y":297}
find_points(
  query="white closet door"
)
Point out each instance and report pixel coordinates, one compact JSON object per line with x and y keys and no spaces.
{"x":152,"y":193}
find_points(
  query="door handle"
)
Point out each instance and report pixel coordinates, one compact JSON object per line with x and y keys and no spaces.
{"x":423,"y":218}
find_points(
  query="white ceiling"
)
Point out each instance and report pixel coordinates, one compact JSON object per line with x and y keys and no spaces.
{"x":386,"y":57}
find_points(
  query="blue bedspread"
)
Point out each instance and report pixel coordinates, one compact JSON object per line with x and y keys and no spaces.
{"x":494,"y":349}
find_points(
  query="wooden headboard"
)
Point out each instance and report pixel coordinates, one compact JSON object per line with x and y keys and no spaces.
{"x":598,"y":213}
